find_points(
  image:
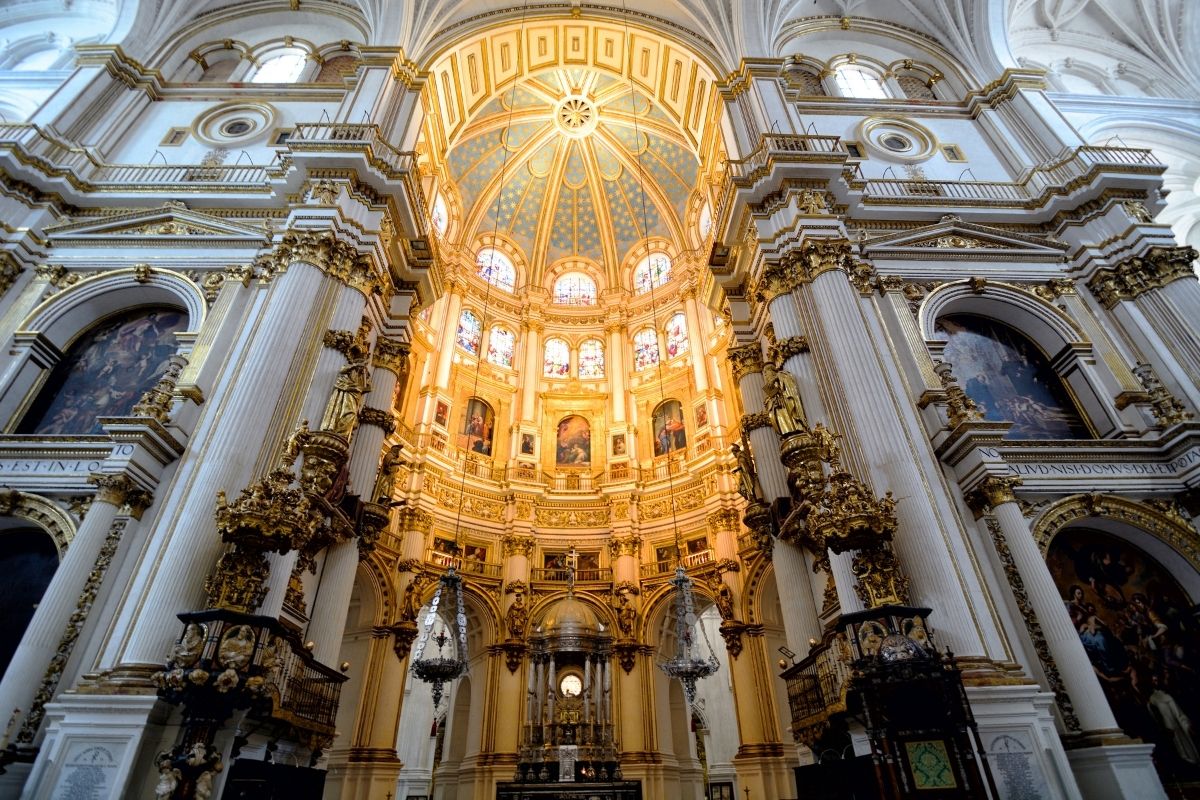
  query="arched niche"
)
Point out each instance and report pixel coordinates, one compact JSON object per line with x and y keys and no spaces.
{"x":1059,"y":339}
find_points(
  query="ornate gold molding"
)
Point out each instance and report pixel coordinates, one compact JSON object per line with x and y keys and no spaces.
{"x":1166,"y":407}
{"x":156,"y":402}
{"x":960,"y":407}
{"x":786,"y":348}
{"x":112,"y":488}
{"x":745,"y":359}
{"x":385,"y":420}
{"x":625,"y":546}
{"x":517,"y":544}
{"x":1135,"y":276}
{"x":325,"y":251}
{"x":10,"y":270}
{"x":759,"y":419}
{"x":390,"y":355}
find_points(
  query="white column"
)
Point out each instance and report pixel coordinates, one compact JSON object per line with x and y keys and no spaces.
{"x":172,"y":577}
{"x":614,"y":369}
{"x":44,"y":632}
{"x":1074,"y":666}
{"x":920,"y":542}
{"x":449,"y":330}
{"x":532,"y":374}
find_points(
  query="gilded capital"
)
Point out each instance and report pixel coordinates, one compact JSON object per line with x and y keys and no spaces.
{"x":786,"y":348}
{"x":777,"y":279}
{"x":823,"y":255}
{"x":390,"y":354}
{"x":625,"y":545}
{"x":384,"y":420}
{"x":1135,"y":276}
{"x":517,"y":544}
{"x":112,"y":488}
{"x":996,"y":490}
{"x":759,"y":419}
{"x":138,"y":501}
{"x":745,"y":360}
{"x":325,"y":251}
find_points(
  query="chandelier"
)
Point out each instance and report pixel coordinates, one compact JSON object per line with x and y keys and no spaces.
{"x":440,"y":669}
{"x":688,"y":666}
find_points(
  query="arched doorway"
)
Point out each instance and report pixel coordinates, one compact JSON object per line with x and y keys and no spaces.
{"x":28,"y":559}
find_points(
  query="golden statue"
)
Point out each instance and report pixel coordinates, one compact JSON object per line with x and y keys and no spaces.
{"x":782,"y":400}
{"x":749,"y":486}
{"x":517,"y":617}
{"x":827,"y":441}
{"x":341,"y":412}
{"x":410,"y":603}
{"x":722,"y":596}
{"x":385,"y":484}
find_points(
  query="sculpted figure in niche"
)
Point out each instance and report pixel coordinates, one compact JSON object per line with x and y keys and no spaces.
{"x":626,"y":614}
{"x":341,"y":412}
{"x":410,"y":603}
{"x":782,"y":400}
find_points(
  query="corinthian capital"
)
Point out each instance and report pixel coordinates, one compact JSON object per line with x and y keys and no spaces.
{"x":517,"y":544}
{"x":390,"y":354}
{"x":112,"y":488}
{"x":745,"y":360}
{"x":996,"y":490}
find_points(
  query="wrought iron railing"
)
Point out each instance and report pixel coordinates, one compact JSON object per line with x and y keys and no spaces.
{"x":562,"y":575}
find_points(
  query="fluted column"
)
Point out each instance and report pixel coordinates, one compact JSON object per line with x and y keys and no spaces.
{"x":624,"y":552}
{"x":614,"y":369}
{"x":233,"y":427}
{"x":382,"y":698}
{"x":792,"y":577}
{"x":44,"y":636}
{"x":695,"y":337}
{"x":1074,"y":667}
{"x":886,"y":447}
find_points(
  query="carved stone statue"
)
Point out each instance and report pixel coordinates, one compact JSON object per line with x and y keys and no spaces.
{"x":518,"y":616}
{"x":385,"y":484}
{"x":341,"y":412}
{"x":168,"y":779}
{"x":782,"y":400}
{"x":626,"y":615}
{"x":722,"y":596}
{"x":749,"y":486}
{"x":410,"y":603}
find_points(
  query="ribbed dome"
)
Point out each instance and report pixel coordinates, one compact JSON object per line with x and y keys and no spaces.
{"x":569,"y":616}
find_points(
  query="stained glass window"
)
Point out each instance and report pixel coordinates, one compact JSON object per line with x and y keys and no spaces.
{"x":439,"y":216}
{"x":652,"y":272}
{"x":645,"y":349}
{"x":501,"y":342}
{"x":558,"y":359}
{"x":677,"y":336}
{"x":575,"y":289}
{"x":496,"y":268}
{"x":591,"y":359}
{"x":284,"y":68}
{"x":470,"y":329}
{"x":705,"y":222}
{"x":855,"y":81}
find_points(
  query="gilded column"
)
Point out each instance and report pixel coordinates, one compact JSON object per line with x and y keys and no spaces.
{"x":44,"y":640}
{"x":1079,"y":680}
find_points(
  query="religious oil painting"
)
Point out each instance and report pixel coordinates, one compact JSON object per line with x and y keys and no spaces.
{"x":701,"y":415}
{"x":479,"y":423}
{"x":441,"y":412}
{"x":527,"y":444}
{"x":619,"y":447}
{"x":1142,"y":636}
{"x":105,"y":372}
{"x":670,"y":435}
{"x":574,"y":442}
{"x":1009,"y":379}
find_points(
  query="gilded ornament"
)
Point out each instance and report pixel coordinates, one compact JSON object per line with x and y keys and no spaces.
{"x":111,"y":488}
{"x":411,"y":601}
{"x":516,"y":544}
{"x":1135,"y":276}
{"x":782,"y":401}
{"x":385,"y":483}
{"x":745,"y":359}
{"x":787,"y":348}
{"x":142,"y":273}
{"x":624,"y":546}
{"x":754,"y":421}
{"x":390,"y":355}
{"x":960,"y":407}
{"x":379,"y":418}
{"x":156,"y":402}
{"x":341,"y":411}
{"x":10,"y":270}
{"x":1166,"y":407}
{"x":517,"y":616}
{"x":731,"y":631}
{"x":722,"y":596}
{"x":880,"y":581}
{"x":749,"y":486}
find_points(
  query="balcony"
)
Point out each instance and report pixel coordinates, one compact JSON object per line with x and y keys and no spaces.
{"x":466,"y":566}
{"x":561,"y":575}
{"x":667,"y":566}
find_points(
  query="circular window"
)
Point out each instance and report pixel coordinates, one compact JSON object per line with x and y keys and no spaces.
{"x":898,"y":139}
{"x":234,"y":123}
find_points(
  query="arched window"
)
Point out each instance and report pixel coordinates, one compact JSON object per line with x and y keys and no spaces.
{"x":1009,"y":378}
{"x":470,"y":329}
{"x":496,"y":268}
{"x":105,"y":372}
{"x":575,"y":289}
{"x":677,"y":337}
{"x":283,"y":68}
{"x":645,"y":349}
{"x":653,"y":271}
{"x":705,"y":221}
{"x":439,"y":216}
{"x":854,"y":81}
{"x":557,"y":362}
{"x":501,"y":343}
{"x":591,"y":359}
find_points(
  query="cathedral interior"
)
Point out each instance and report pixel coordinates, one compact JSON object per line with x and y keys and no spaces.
{"x":698,"y":400}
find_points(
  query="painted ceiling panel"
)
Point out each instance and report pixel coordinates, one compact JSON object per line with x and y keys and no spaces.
{"x":573,"y":147}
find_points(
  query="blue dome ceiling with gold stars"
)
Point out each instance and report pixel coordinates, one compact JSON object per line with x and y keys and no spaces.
{"x":556,"y":165}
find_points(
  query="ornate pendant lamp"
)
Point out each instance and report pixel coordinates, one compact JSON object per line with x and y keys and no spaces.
{"x":440,"y":669}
